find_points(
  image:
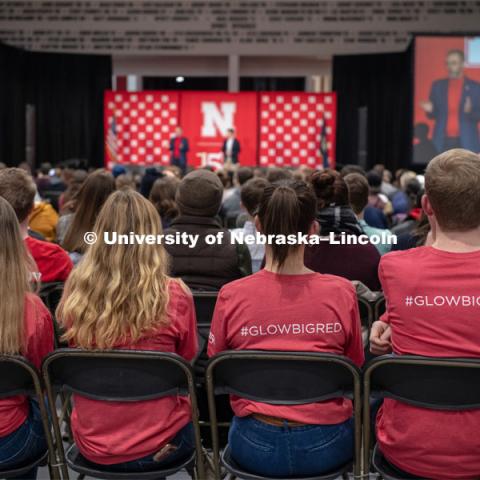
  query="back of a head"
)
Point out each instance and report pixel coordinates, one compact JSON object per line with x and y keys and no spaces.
{"x":286,"y":209}
{"x":134,"y":294}
{"x":330,"y":189}
{"x":16,"y":268}
{"x":275,"y":174}
{"x":200,"y":194}
{"x":251,"y":194}
{"x":90,"y":199}
{"x":163,"y":194}
{"x":348,"y":169}
{"x":357,"y":191}
{"x":244,"y":174}
{"x":451,"y":185}
{"x":18,"y":188}
{"x":374,"y":181}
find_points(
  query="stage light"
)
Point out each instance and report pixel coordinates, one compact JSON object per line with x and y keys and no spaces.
{"x":180,"y":79}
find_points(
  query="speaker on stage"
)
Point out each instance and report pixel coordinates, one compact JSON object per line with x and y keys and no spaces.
{"x":362,"y":154}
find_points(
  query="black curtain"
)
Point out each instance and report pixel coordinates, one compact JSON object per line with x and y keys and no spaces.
{"x":382,"y":83}
{"x":67,"y":93}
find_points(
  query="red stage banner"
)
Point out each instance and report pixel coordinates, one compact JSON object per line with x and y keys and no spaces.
{"x":138,"y":127}
{"x":205,"y":119}
{"x":274,"y":128}
{"x":297,"y":129}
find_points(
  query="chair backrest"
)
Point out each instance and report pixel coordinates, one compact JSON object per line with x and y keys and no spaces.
{"x":435,"y":383}
{"x":282,"y":378}
{"x":51,"y":293}
{"x":380,"y":308}
{"x":204,"y":307}
{"x":18,"y":377}
{"x":121,"y":376}
{"x":366,"y":312}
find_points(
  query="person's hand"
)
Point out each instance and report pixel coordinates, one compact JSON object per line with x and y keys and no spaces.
{"x":380,"y":338}
{"x":467,"y":108}
{"x":427,"y":106}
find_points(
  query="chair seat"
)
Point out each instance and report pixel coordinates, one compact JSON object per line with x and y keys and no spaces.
{"x":78,"y":463}
{"x":232,"y":467}
{"x":19,"y":471}
{"x":387,"y":470}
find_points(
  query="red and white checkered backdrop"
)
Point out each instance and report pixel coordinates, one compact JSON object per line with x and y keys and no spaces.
{"x":274,"y":128}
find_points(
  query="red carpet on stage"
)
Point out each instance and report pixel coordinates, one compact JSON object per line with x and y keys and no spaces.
{"x":273,"y":128}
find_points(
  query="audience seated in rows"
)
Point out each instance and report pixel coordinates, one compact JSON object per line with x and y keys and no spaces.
{"x":18,"y":188}
{"x":137,"y":307}
{"x":431,"y":295}
{"x":231,"y":206}
{"x":354,"y":262}
{"x":204,"y":267}
{"x":26,"y":329}
{"x":299,"y":440}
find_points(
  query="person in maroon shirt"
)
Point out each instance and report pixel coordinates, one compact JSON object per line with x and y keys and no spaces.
{"x":26,"y":328}
{"x":18,"y":188}
{"x":138,"y":307}
{"x":433,"y":306}
{"x":354,"y":262}
{"x":287,"y":306}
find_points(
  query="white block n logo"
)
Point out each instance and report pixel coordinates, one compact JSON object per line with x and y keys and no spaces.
{"x":215,"y":120}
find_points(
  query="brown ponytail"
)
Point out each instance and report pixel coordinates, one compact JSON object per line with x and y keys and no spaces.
{"x":286,"y":209}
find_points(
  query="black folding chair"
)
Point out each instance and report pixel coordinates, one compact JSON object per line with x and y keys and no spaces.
{"x":119,"y":376}
{"x":51,"y":293}
{"x":282,"y":378}
{"x":433,"y":383}
{"x":20,"y":377}
{"x":366,"y":312}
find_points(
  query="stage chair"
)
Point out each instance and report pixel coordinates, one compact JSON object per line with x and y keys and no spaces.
{"x":282,"y":378}
{"x":20,"y":377}
{"x":119,"y":376}
{"x":51,"y":293}
{"x":433,"y":383}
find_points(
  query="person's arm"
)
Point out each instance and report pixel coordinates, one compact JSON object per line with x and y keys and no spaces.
{"x":217,"y":340}
{"x":354,"y":345}
{"x":239,"y":149}
{"x":42,"y":343}
{"x":186,"y":146}
{"x":381,"y":332}
{"x":187,"y":346}
{"x":471,"y":106}
{"x":432,"y":109}
{"x":172,"y":145}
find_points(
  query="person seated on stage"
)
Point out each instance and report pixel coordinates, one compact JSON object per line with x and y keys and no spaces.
{"x":26,"y":328}
{"x":432,"y":310}
{"x":204,"y":266}
{"x":355,"y":261}
{"x":231,"y":207}
{"x":251,"y":195}
{"x":138,"y":307}
{"x":230,"y":149}
{"x":90,"y":199}
{"x":358,"y":197}
{"x":162,"y":195}
{"x":18,"y":188}
{"x":300,"y":440}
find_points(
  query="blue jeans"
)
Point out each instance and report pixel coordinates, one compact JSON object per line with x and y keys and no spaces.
{"x":25,"y":444}
{"x":287,"y":451}
{"x":184,"y":441}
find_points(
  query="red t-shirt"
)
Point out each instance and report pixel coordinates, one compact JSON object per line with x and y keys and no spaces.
{"x":52,"y":261}
{"x":38,"y":334}
{"x":116,"y":432}
{"x":310,"y":313}
{"x":433,"y":304}
{"x":455,"y":86}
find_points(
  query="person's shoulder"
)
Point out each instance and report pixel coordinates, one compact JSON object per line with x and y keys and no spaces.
{"x":439,"y":82}
{"x":243,"y":284}
{"x":42,"y":246}
{"x":336,"y":281}
{"x":179,"y":295}
{"x":472,"y":82}
{"x":403,"y":257}
{"x":35,"y":308}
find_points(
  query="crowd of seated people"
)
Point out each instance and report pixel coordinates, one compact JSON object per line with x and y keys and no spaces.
{"x":145,"y":301}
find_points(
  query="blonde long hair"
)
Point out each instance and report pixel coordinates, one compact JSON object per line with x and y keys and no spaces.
{"x":16,"y":267}
{"x":117,"y":293}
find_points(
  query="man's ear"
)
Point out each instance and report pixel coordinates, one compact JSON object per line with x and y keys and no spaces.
{"x":427,"y":206}
{"x":314,"y":228}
